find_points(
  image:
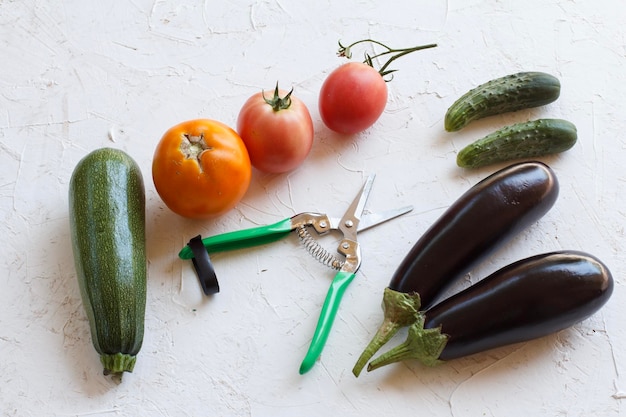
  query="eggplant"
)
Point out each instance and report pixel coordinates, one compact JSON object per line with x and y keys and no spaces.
{"x":484,"y":218}
{"x":528,"y":299}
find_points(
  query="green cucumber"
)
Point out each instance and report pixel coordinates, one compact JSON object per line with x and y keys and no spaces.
{"x":506,"y":94}
{"x":522,"y":140}
{"x":107,"y":225}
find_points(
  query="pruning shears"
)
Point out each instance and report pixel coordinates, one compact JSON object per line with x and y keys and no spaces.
{"x":349,"y":224}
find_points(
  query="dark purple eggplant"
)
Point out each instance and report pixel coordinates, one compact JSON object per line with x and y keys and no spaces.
{"x":526,"y":300}
{"x":480,"y":221}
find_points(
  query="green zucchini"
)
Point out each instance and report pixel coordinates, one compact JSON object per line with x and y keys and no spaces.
{"x":506,"y":94}
{"x":522,"y":140}
{"x":107,"y":225}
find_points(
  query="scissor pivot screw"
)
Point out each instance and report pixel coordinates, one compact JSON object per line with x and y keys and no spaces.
{"x":345,"y":245}
{"x":323,"y":224}
{"x":349,"y":223}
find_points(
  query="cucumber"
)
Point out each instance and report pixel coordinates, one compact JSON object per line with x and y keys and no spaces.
{"x":522,"y":140}
{"x":506,"y":94}
{"x":107,"y":226}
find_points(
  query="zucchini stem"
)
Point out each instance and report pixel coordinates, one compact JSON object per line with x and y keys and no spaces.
{"x":346,"y":51}
{"x":400,"y":310}
{"x":116,"y":364}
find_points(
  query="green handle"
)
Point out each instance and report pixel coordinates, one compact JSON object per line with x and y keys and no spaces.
{"x":327,"y":316}
{"x":242,"y":238}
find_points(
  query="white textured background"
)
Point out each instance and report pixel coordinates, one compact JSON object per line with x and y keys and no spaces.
{"x":77,"y":75}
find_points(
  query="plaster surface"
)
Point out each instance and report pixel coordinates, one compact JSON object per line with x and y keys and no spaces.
{"x":79,"y":75}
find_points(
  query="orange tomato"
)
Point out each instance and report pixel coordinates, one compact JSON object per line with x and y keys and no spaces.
{"x":201,"y":168}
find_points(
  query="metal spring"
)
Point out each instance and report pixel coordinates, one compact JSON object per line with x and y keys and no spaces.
{"x":316,"y":250}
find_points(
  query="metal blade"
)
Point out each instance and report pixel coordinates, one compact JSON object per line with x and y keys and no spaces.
{"x":350,"y":221}
{"x":374,"y":219}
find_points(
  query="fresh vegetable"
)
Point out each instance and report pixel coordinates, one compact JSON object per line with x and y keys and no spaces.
{"x":201,"y":168}
{"x":506,"y":94}
{"x":522,"y":140}
{"x":352,"y":98}
{"x":277,"y":131}
{"x":481,"y":220}
{"x":354,"y":95}
{"x":528,"y":299}
{"x":107,"y":224}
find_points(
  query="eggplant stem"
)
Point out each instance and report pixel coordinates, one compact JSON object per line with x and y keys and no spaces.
{"x":400,"y":310}
{"x":425,"y":345}
{"x":383,"y":335}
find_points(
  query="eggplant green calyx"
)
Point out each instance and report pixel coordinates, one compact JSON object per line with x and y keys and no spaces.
{"x":425,"y":345}
{"x":277,"y":102}
{"x":400,"y":310}
{"x":346,"y":51}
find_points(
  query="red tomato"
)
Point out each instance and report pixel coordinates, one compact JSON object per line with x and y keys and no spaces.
{"x":352,"y":98}
{"x":201,"y":168}
{"x":278,"y":131}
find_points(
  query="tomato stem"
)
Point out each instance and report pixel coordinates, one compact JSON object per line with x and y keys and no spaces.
{"x":277,"y":102}
{"x":346,"y":51}
{"x":193,"y":146}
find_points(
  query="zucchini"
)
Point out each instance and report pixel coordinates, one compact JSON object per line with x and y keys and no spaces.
{"x":506,"y":94}
{"x":107,"y":225}
{"x":522,"y":140}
